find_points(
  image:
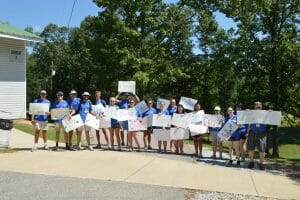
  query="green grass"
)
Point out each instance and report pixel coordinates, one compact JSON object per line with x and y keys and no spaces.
{"x":7,"y":150}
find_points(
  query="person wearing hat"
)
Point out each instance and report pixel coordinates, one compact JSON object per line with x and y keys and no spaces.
{"x":84,"y":107}
{"x":124,"y":103}
{"x":257,"y":136}
{"x":216,"y":140}
{"x":97,"y":101}
{"x":73,"y":102}
{"x":40,"y":122}
{"x":59,"y":104}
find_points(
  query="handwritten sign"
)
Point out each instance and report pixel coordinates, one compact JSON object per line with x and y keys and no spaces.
{"x":198,"y":129}
{"x":142,"y":107}
{"x":111,"y":112}
{"x":98,"y":109}
{"x":104,"y":122}
{"x":165,"y":101}
{"x":59,"y":113}
{"x":136,"y":125}
{"x":38,"y":108}
{"x":161,"y":120}
{"x":228,"y":129}
{"x":188,"y":103}
{"x":126,"y":86}
{"x":126,"y":114}
{"x":180,"y":120}
{"x":213,"y":120}
{"x":196,"y":117}
{"x":92,"y":121}
{"x":161,"y":134}
{"x":259,"y":117}
{"x":72,"y":123}
{"x":147,"y":121}
{"x":179,"y":134}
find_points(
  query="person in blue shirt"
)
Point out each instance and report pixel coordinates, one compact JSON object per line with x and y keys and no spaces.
{"x":115,"y":125}
{"x":84,"y":108}
{"x":148,"y":132}
{"x":257,"y":136}
{"x":40,"y":122}
{"x":60,"y":103}
{"x":162,"y":111}
{"x":97,"y":101}
{"x":73,"y":102}
{"x":124,"y":103}
{"x":172,"y":108}
{"x":132,"y":134}
{"x":215,"y":139}
{"x":234,"y":140}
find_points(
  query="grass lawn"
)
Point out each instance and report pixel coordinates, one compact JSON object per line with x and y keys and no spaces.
{"x":7,"y":150}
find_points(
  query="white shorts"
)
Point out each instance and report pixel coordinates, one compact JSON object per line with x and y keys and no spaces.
{"x":85,"y":127}
{"x":41,"y":125}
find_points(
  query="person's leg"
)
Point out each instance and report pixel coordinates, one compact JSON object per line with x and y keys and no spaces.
{"x":251,"y":146}
{"x":176,"y":144}
{"x":98,"y":138}
{"x":262,"y":144}
{"x":200,"y":145}
{"x":159,"y":146}
{"x":135,"y":136}
{"x":117,"y":133}
{"x":172,"y":143}
{"x":196,"y":146}
{"x":165,"y":146}
{"x":79,"y":132}
{"x":111,"y":131}
{"x":57,"y":132}
{"x":230,"y":146}
{"x":104,"y":131}
{"x":180,"y":144}
{"x":220,"y":147}
{"x":214,"y":149}
{"x":70,"y":138}
{"x":122,"y":137}
{"x":145,"y":137}
{"x":149,"y":139}
{"x":36,"y":137}
{"x":87,"y":137}
{"x":236,"y":146}
{"x":66,"y":140}
{"x":242,"y":148}
{"x":129,"y":139}
{"x":45,"y":138}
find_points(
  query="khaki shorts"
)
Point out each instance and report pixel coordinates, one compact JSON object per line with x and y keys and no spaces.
{"x":41,"y":125}
{"x":84,"y":127}
{"x":214,"y":136}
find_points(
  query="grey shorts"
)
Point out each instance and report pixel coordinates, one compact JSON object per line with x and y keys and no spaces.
{"x":257,"y":139}
{"x":214,"y":136}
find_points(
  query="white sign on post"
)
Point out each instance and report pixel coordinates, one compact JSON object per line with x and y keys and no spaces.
{"x":72,"y":123}
{"x":213,"y":120}
{"x":161,"y":120}
{"x":165,"y":101}
{"x":136,"y":125}
{"x":104,"y":122}
{"x":179,"y":134}
{"x":92,"y":121}
{"x":59,"y":113}
{"x":198,"y":129}
{"x":38,"y":108}
{"x":142,"y":107}
{"x":259,"y":117}
{"x":126,"y":86}
{"x":147,"y":121}
{"x":188,"y":103}
{"x":180,"y":120}
{"x":161,"y":134}
{"x":228,"y":129}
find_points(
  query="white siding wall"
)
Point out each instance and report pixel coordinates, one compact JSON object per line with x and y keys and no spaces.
{"x":12,"y":80}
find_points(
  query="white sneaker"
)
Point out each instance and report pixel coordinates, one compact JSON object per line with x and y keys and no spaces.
{"x":90,"y":148}
{"x":34,"y":148}
{"x":46,"y":147}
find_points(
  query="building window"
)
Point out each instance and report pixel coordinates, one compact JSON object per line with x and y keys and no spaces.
{"x":15,"y":56}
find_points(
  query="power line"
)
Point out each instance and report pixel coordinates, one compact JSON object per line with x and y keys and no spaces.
{"x":71,"y":13}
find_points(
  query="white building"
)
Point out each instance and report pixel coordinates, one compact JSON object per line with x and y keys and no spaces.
{"x":13,"y":70}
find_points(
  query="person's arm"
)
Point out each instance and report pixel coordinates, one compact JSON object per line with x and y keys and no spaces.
{"x":137,"y":99}
{"x":32,"y":118}
{"x":118,"y":95}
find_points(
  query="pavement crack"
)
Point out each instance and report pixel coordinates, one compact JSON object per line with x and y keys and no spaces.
{"x":252,"y":179}
{"x":138,"y":170}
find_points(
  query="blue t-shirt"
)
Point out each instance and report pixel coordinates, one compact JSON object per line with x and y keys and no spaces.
{"x":41,"y":117}
{"x":151,"y":111}
{"x":243,"y":129}
{"x":74,"y":103}
{"x":258,"y":127}
{"x":96,"y":102}
{"x":172,"y":110}
{"x":237,"y":133}
{"x":123,"y":104}
{"x":60,"y":104}
{"x":84,"y":108}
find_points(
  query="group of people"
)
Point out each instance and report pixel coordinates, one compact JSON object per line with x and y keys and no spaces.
{"x":254,"y":133}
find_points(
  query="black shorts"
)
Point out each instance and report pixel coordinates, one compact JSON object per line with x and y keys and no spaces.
{"x":243,"y":137}
{"x":257,"y":139}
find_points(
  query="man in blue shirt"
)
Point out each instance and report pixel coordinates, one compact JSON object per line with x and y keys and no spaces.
{"x":40,"y":122}
{"x":257,"y":137}
{"x":97,"y":101}
{"x":73,"y":102}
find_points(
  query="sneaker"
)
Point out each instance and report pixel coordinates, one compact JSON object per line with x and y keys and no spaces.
{"x":34,"y":148}
{"x":149,"y":147}
{"x":145,"y":148}
{"x":119,"y":148}
{"x":243,"y":159}
{"x":98,"y":146}
{"x":73,"y":149}
{"x":109,"y":146}
{"x":46,"y":147}
{"x":68,"y":148}
{"x":56,"y":149}
{"x":251,"y":165}
{"x":230,"y":162}
{"x":238,"y":163}
{"x":213,"y":157}
{"x":78,"y":148}
{"x":90,"y":148}
{"x":261,"y":166}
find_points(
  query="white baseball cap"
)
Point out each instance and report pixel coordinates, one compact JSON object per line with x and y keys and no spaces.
{"x":73,"y":92}
{"x":217,"y":108}
{"x":86,"y":94}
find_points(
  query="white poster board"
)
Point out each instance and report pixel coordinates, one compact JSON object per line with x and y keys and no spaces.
{"x":38,"y":108}
{"x":179,"y":134}
{"x":196,"y":117}
{"x":161,"y":120}
{"x":126,"y":86}
{"x":213,"y":120}
{"x":228,"y":129}
{"x":136,"y":125}
{"x":180,"y":120}
{"x":104,"y":122}
{"x":165,"y":101}
{"x":111,"y":112}
{"x":259,"y":117}
{"x":198,"y":129}
{"x":125,"y":114}
{"x":92,"y":121}
{"x":72,"y":123}
{"x":59,"y":113}
{"x":142,"y":107}
{"x":98,"y":109}
{"x":188,"y":103}
{"x":161,"y":134}
{"x":147,"y":121}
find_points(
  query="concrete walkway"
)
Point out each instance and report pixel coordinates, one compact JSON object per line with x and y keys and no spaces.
{"x":138,"y":168}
